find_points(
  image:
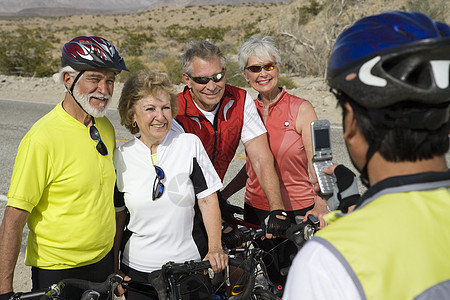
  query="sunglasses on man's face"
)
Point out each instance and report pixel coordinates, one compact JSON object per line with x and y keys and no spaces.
{"x":205,"y":79}
{"x":158,"y":186}
{"x":95,"y":135}
{"x":257,"y":69}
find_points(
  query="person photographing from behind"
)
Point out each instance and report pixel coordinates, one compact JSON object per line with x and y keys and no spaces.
{"x":390,"y":74}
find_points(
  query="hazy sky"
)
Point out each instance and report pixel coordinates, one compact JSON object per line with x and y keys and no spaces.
{"x":17,"y":5}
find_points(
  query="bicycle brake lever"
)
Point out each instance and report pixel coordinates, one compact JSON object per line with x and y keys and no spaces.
{"x":313,"y":220}
{"x":90,"y":295}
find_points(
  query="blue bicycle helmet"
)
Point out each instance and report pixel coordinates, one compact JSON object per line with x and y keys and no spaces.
{"x":391,"y":58}
{"x":92,"y":53}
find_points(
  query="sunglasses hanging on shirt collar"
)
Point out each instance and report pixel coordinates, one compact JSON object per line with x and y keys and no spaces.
{"x":95,"y":135}
{"x":158,"y":186}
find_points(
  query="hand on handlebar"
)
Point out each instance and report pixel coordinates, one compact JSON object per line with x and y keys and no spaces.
{"x":320,"y":209}
{"x":217,"y":258}
{"x":232,"y":237}
{"x":276,"y":223}
{"x":120,"y":290}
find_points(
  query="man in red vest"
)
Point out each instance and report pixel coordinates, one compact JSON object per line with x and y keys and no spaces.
{"x":221,"y":116}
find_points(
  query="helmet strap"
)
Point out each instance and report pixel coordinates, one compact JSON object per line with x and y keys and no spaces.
{"x":364,"y":176}
{"x":73,"y":86}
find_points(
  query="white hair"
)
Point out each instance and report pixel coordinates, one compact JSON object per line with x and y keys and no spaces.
{"x":67,"y":69}
{"x":262,"y":48}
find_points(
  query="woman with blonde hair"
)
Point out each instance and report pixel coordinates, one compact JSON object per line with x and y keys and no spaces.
{"x":161,"y":175}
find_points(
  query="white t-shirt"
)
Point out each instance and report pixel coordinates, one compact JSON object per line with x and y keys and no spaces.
{"x":252,"y":127}
{"x":316,"y":273}
{"x":162,"y":228}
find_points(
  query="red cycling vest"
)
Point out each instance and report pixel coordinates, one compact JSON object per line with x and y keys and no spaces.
{"x":220,"y":139}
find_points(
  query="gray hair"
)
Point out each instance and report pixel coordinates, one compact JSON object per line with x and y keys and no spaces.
{"x":204,"y":50}
{"x":261,"y":48}
{"x":67,"y":69}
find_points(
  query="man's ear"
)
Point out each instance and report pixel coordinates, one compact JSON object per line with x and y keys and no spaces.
{"x":186,"y":80}
{"x":350,"y":127}
{"x":355,"y":141}
{"x":68,"y":80}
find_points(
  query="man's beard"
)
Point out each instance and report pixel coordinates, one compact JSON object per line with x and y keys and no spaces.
{"x":83,"y":100}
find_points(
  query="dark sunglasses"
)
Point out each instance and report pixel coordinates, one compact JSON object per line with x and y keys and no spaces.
{"x":95,"y":135}
{"x":257,"y":69}
{"x":205,"y":79}
{"x":158,"y":186}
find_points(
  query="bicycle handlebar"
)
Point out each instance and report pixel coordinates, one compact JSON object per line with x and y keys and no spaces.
{"x":297,"y":233}
{"x":300,"y":233}
{"x":90,"y":288}
{"x":160,"y":280}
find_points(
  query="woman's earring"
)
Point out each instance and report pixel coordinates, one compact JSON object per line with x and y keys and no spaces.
{"x":134,"y":124}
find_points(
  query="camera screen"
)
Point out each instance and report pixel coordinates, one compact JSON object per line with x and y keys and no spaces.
{"x":322,"y":139}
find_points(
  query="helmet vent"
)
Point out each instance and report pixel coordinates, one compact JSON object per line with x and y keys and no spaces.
{"x":405,"y":33}
{"x":409,"y":69}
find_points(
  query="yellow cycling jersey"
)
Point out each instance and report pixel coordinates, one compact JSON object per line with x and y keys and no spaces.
{"x":67,"y":186}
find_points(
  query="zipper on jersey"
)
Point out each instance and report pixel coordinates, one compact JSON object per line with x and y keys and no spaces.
{"x":216,"y":133}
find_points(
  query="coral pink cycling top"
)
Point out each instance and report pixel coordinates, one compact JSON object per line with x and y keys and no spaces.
{"x":291,"y":161}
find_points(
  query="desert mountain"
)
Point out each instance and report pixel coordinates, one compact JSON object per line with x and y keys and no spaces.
{"x":46,"y":8}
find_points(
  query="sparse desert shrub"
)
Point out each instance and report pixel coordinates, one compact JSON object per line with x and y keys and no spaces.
{"x":435,"y":9}
{"x":183,"y":34}
{"x":174,"y":32}
{"x":287,"y":82}
{"x":251,"y":29}
{"x":305,"y":13}
{"x":234,"y":75}
{"x":307,"y":53}
{"x":134,"y":64}
{"x":133,"y":43}
{"x":212,"y":33}
{"x":26,"y":52}
{"x":304,"y":48}
{"x":173,"y":68}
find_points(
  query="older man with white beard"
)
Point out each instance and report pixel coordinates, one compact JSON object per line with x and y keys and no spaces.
{"x":63,"y":179}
